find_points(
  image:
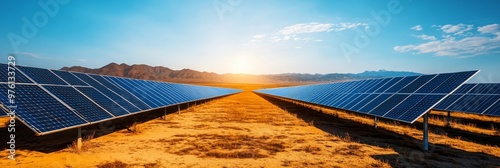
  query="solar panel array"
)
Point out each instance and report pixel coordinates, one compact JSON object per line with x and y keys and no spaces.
{"x":478,"y":98}
{"x":399,"y":98}
{"x":53,"y":100}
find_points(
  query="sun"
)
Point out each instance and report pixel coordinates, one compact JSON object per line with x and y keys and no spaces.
{"x":242,"y":64}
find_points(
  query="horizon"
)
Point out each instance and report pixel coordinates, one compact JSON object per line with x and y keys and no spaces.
{"x":258,"y":37}
{"x":380,"y":70}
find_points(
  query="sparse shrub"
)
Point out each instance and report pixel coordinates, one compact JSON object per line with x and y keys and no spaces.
{"x":380,"y":163}
{"x":312,"y":149}
{"x":471,"y":125}
{"x":135,"y":128}
{"x":115,"y":164}
{"x":346,"y":137}
{"x":85,"y":144}
{"x":238,"y":154}
{"x":311,"y":123}
{"x":152,"y":165}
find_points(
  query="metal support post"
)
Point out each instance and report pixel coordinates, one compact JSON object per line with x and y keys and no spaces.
{"x":79,"y":139}
{"x":448,"y":120}
{"x":426,"y":131}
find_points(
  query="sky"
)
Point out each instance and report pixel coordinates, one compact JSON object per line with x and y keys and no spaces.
{"x":257,"y":36}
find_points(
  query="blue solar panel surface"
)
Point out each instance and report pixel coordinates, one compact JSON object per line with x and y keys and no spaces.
{"x":41,"y":76}
{"x":41,"y":111}
{"x":62,"y":100}
{"x":69,"y":78}
{"x":399,"y":98}
{"x":104,"y":84}
{"x":83,"y":106}
{"x":102,"y":100}
{"x":18,"y":76}
{"x":478,"y":98}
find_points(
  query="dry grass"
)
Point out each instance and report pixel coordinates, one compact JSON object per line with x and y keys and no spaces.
{"x":115,"y":164}
{"x":246,"y":130}
{"x":469,"y":116}
{"x":223,"y":146}
{"x":86,"y":144}
{"x":135,"y":128}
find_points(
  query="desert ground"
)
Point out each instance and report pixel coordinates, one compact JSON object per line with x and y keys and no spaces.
{"x":251,"y":130}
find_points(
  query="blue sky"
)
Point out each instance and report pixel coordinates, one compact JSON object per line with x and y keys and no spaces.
{"x":258,"y":36}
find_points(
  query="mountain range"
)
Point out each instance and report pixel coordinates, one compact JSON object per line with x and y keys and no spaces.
{"x":141,"y":71}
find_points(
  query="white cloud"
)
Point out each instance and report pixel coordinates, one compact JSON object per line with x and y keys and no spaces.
{"x":275,"y":39}
{"x":417,"y":28}
{"x":306,"y":28}
{"x":426,"y":37}
{"x":303,"y":28}
{"x":32,"y":55}
{"x":454,"y":44}
{"x":471,"y":46}
{"x":492,"y":28}
{"x":298,"y":32}
{"x":259,"y":36}
{"x":457,"y":29}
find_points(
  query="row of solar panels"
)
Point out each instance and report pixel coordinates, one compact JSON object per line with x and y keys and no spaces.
{"x":53,"y":100}
{"x":399,"y":98}
{"x":478,"y":98}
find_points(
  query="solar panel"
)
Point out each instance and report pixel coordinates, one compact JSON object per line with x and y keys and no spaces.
{"x":41,"y":76}
{"x":399,"y":98}
{"x":481,"y":98}
{"x":52,"y":100}
{"x":69,"y":78}
{"x":19,"y":77}
{"x":124,"y":98}
{"x":80,"y":103}
{"x":102,"y":100}
{"x":40,"y":110}
{"x":137,"y":91}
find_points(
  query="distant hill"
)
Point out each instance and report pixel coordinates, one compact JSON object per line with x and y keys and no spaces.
{"x":160,"y":73}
